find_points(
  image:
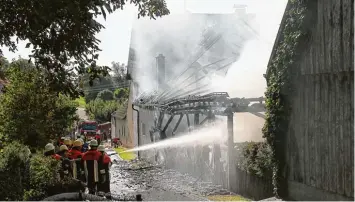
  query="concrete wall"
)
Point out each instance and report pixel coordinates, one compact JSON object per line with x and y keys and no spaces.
{"x":130,"y":118}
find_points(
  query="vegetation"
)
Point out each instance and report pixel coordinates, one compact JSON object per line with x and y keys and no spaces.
{"x":30,"y":112}
{"x":80,"y":101}
{"x":255,"y":158}
{"x":99,"y":84}
{"x":101,"y":110}
{"x":63,"y":34}
{"x":105,"y":95}
{"x":45,"y":181}
{"x":120,"y":71}
{"x":26,"y":178}
{"x":14,"y":171}
{"x":121,"y":94}
{"x":37,"y":106}
{"x":278,"y":90}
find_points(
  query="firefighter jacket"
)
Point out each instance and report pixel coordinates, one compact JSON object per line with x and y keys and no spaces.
{"x":77,"y":165}
{"x":75,"y":154}
{"x":90,"y":160}
{"x":57,"y":156}
{"x":104,"y":173}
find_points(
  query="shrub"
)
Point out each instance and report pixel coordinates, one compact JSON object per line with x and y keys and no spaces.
{"x":25,"y":178}
{"x":105,"y":95}
{"x":45,"y":180}
{"x":14,"y":171}
{"x":255,"y":158}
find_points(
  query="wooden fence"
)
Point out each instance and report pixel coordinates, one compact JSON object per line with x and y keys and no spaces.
{"x":251,"y":186}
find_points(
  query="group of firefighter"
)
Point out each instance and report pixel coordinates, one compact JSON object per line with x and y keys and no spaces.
{"x":83,"y":161}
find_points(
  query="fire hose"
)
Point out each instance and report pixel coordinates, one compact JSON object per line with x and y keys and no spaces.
{"x":78,"y":196}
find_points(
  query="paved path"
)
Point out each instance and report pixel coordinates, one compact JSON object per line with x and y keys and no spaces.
{"x":82,"y":114}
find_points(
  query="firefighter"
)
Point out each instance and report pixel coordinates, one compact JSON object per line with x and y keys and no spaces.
{"x":75,"y":155}
{"x":68,"y":143}
{"x":49,"y":151}
{"x":63,"y":151}
{"x":98,"y":138}
{"x":104,"y":172}
{"x":90,"y":160}
{"x":117,"y":142}
{"x":85,"y":147}
{"x":66,"y":165}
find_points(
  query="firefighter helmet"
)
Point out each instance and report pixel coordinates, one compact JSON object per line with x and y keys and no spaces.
{"x":67,"y":142}
{"x":101,"y":148}
{"x":48,"y":147}
{"x":63,"y":148}
{"x":78,"y":143}
{"x":93,"y":143}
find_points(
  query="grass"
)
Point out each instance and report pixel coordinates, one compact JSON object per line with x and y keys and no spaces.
{"x":81,"y":102}
{"x":226,"y":198}
{"x":125,"y":156}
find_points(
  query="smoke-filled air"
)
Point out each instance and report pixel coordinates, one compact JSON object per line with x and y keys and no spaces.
{"x":204,"y":53}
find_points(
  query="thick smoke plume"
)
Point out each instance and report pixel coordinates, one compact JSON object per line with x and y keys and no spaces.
{"x":196,"y":48}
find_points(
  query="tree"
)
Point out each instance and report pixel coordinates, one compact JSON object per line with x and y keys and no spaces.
{"x":105,"y":95}
{"x":30,"y":112}
{"x":99,"y":84}
{"x":4,"y":64}
{"x":63,"y":33}
{"x":101,"y":110}
{"x":120,"y":72}
{"x":121,"y":94}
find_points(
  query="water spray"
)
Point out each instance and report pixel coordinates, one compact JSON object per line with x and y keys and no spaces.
{"x":213,"y":133}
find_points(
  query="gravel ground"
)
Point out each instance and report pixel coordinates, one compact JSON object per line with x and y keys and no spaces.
{"x":158,"y":184}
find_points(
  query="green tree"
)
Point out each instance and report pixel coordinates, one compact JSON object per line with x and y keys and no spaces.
{"x":121,"y":94}
{"x":98,"y":84}
{"x":29,"y":111}
{"x":105,"y":95}
{"x":63,"y":33}
{"x":4,"y":64}
{"x":101,"y":110}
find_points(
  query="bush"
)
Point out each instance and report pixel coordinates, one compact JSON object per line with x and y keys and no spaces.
{"x":45,"y":180}
{"x":14,"y":171}
{"x":25,"y":178}
{"x":255,"y":158}
{"x":121,"y":93}
{"x":105,"y":95}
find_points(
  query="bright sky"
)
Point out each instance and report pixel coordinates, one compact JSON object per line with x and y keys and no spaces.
{"x":116,"y":37}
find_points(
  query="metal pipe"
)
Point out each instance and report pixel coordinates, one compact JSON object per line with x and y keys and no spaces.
{"x":138,"y":138}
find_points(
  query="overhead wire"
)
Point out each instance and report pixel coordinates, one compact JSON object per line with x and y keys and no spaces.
{"x":193,"y":74}
{"x":190,"y":66}
{"x":202,"y":77}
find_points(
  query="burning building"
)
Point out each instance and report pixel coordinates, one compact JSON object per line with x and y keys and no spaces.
{"x":176,"y":56}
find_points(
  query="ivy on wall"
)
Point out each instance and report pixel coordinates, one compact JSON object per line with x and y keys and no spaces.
{"x":279,"y":88}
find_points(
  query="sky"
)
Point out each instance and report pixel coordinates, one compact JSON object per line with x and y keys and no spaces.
{"x":115,"y":38}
